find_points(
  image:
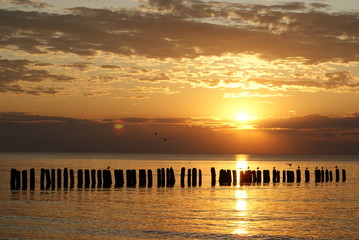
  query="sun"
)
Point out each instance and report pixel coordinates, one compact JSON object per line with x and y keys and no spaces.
{"x":243,"y":117}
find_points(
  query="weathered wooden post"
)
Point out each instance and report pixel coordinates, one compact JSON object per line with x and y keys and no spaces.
{"x":299,"y":177}
{"x":107,"y":179}
{"x":18,"y":179}
{"x":337,"y":175}
{"x":99,"y":178}
{"x":149,"y":176}
{"x":259,"y":176}
{"x":24,"y":179}
{"x":278,"y":176}
{"x":322,"y":175}
{"x":234,"y":174}
{"x":58,"y":178}
{"x":266,"y":177}
{"x":183,"y":173}
{"x":129,"y":178}
{"x":159,"y":177}
{"x":48,"y":178}
{"x":213,"y":176}
{"x":32,"y":179}
{"x":93,"y":178}
{"x":228,"y":177}
{"x":290,"y":176}
{"x":13,"y":179}
{"x":66,"y":178}
{"x":330,"y":175}
{"x":172,"y":178}
{"x":194,"y":177}
{"x":87,"y":178}
{"x":168,"y":177}
{"x":284,"y":176}
{"x":79,"y":178}
{"x":200,"y":177}
{"x":163,"y":177}
{"x":248,"y":176}
{"x":344,"y":175}
{"x":53,"y":178}
{"x":326,"y":175}
{"x":142,"y":176}
{"x":42,"y":178}
{"x":189,"y":178}
{"x":274,"y":176}
{"x":119,"y":181}
{"x":134,"y":179}
{"x":307,"y":175}
{"x":241,"y":178}
{"x":222,"y":177}
{"x":72,"y":178}
{"x":317,"y":175}
{"x":254,"y":176}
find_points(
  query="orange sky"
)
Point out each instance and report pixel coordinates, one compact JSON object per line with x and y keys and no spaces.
{"x":225,"y":76}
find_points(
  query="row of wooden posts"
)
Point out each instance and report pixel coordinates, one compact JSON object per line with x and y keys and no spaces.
{"x":228,"y":177}
{"x":52,"y":178}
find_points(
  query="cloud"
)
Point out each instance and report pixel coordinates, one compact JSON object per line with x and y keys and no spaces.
{"x":30,"y":3}
{"x":188,"y":29}
{"x":13,"y":72}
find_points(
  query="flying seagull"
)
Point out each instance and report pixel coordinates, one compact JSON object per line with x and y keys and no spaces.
{"x":166,"y":139}
{"x":289,"y":164}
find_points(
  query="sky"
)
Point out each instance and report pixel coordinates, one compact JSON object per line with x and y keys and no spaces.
{"x":256,"y":77}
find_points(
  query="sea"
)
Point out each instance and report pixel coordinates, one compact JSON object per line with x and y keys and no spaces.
{"x":325,"y":210}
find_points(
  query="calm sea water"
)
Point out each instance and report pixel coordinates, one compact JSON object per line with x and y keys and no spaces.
{"x":265,"y":211}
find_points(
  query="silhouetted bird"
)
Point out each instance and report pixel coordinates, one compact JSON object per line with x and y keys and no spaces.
{"x":298,"y":167}
{"x":306,"y":168}
{"x":316,"y":167}
{"x":257,"y":168}
{"x":155,"y":134}
{"x":289,"y":164}
{"x":248,"y":167}
{"x":108,"y":167}
{"x":336,"y":166}
{"x":166,"y":139}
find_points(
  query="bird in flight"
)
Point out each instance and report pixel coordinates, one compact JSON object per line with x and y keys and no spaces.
{"x":289,"y":164}
{"x":165,"y":139}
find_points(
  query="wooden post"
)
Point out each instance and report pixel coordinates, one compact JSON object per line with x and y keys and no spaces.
{"x":79,"y":178}
{"x":66,"y":178}
{"x":284,"y":176}
{"x":107,"y":179}
{"x":149,"y":176}
{"x":290,"y":176}
{"x":274,"y":176}
{"x":337,"y":175}
{"x":228,"y":177}
{"x":266,"y":177}
{"x":58,"y":178}
{"x":259,"y":176}
{"x":142,"y":176}
{"x":200,"y":177}
{"x":32,"y":179}
{"x":254,"y":176}
{"x":99,"y":178}
{"x":213,"y":176}
{"x":278,"y":177}
{"x":326,"y":175}
{"x":48,"y":178}
{"x":24,"y":179}
{"x":322,"y":175}
{"x":241,"y":178}
{"x":183,"y":173}
{"x":93,"y":178}
{"x":87,"y":178}
{"x":18,"y":179}
{"x":159,"y":177}
{"x":129,"y":178}
{"x":53,"y":178}
{"x":234,"y":173}
{"x":163,"y":177}
{"x":189,"y":178}
{"x":248,"y":176}
{"x":167,"y":177}
{"x":13,"y":179}
{"x":134,"y":179}
{"x":172,"y":178}
{"x":72,"y":178}
{"x":194,"y":177}
{"x":330,"y":175}
{"x":221,"y":179}
{"x":317,"y":175}
{"x":344,"y":175}
{"x":42,"y":179}
{"x":299,"y":178}
{"x":307,"y":175}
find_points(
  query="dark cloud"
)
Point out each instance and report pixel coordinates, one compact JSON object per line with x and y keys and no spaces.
{"x":29,"y":132}
{"x":177,"y":30}
{"x":14,"y":71}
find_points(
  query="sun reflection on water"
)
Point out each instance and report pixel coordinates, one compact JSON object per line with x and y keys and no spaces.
{"x":241,"y":209}
{"x":242,"y":161}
